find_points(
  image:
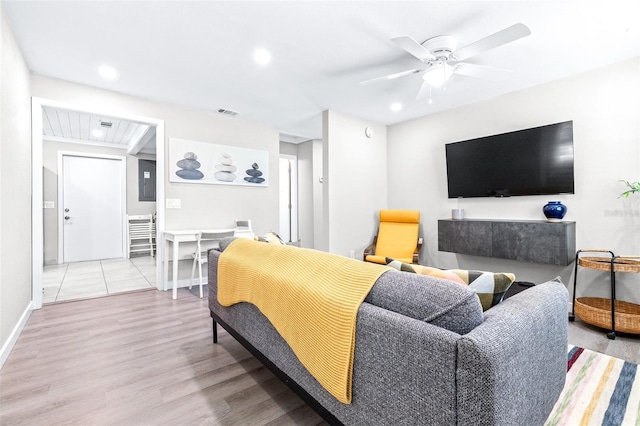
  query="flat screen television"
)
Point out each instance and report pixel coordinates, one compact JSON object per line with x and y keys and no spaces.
{"x":537,"y":161}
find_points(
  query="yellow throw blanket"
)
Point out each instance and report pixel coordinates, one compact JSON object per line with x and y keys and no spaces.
{"x":310,"y":297}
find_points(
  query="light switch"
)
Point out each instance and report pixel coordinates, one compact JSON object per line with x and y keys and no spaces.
{"x":173,"y":203}
{"x":49,"y":205}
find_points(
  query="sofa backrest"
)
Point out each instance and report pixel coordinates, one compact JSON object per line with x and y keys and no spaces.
{"x":439,"y":302}
{"x":442,"y":303}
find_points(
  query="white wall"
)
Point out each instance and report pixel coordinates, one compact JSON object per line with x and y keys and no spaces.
{"x":355,"y":181}
{"x":15,"y":189}
{"x":202,"y":206}
{"x":605,"y":108}
{"x":288,"y":148}
{"x":50,"y":176}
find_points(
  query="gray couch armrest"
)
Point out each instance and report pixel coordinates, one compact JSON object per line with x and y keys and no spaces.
{"x":404,"y":371}
{"x":212,"y":273}
{"x":515,"y":363}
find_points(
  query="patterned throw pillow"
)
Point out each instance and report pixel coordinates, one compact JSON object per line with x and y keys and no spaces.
{"x":489,"y":286}
{"x":423,"y":270}
{"x":270,"y":237}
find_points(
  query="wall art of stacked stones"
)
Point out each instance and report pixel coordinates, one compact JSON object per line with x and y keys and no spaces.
{"x":225,"y":169}
{"x":254,"y":174}
{"x":189,"y":166}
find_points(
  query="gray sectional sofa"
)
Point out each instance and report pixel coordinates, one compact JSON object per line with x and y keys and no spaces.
{"x":426,"y":354}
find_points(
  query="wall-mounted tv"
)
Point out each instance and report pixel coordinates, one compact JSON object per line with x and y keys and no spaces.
{"x":537,"y":161}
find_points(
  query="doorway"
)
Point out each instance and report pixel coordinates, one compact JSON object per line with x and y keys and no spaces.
{"x":38,"y":106}
{"x":288,"y":174}
{"x":91,"y":203}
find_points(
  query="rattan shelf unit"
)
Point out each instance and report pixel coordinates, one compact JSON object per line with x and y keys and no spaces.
{"x":611,"y":314}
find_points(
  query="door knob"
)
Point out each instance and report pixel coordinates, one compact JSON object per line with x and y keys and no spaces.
{"x":67,"y":217}
{"x":66,"y":210}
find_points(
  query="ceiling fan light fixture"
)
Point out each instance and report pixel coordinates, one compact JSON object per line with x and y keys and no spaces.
{"x":438,"y":74}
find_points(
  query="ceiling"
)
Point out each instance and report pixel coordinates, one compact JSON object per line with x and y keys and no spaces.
{"x":60,"y":125}
{"x":199,"y":54}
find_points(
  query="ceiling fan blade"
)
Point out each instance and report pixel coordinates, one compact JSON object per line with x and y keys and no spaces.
{"x":425,"y":90}
{"x":505,"y":36}
{"x":409,"y":44}
{"x":392,"y":76}
{"x":482,"y":71}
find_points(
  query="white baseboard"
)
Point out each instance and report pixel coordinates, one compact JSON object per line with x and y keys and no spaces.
{"x":15,"y":333}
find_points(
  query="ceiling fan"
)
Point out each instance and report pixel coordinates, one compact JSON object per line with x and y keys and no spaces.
{"x":441,"y":58}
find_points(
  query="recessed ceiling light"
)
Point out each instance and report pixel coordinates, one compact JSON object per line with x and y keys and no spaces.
{"x":396,"y":106}
{"x":97,"y":133}
{"x":262,"y":56}
{"x":107,"y":72}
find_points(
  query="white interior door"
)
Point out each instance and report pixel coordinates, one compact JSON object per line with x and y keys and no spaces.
{"x":92,"y":208}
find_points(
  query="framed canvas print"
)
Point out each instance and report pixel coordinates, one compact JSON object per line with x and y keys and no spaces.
{"x":209,"y":163}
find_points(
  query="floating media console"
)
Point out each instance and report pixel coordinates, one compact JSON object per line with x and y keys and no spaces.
{"x":536,"y":241}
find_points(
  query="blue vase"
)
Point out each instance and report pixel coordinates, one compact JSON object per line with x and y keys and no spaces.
{"x":554,"y":211}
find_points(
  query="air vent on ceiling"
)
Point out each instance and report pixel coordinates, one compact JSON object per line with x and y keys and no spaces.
{"x":105,"y":123}
{"x":227,"y":112}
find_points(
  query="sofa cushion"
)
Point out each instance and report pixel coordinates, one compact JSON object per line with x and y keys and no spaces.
{"x":424,"y":270}
{"x":427,"y":298}
{"x":489,"y":286}
{"x":224,"y":243}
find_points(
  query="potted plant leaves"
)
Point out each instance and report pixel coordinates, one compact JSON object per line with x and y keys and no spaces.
{"x":633,"y":187}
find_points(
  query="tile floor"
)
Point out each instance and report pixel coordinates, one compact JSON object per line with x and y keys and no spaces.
{"x":97,"y":278}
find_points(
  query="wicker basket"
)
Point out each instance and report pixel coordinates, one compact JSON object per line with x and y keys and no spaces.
{"x":622,"y":264}
{"x":597,"y":311}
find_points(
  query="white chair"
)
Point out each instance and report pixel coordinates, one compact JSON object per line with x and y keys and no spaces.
{"x":141,"y":233}
{"x":243,"y":229}
{"x":204,"y":242}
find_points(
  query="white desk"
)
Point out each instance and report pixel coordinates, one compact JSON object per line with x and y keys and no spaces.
{"x":175,"y":238}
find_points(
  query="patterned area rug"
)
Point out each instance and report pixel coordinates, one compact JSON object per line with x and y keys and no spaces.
{"x":600,"y":390}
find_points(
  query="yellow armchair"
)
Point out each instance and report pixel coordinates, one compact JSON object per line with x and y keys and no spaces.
{"x":397,"y":237}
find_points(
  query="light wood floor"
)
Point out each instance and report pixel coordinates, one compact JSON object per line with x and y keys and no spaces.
{"x":139,"y":359}
{"x":624,"y":346}
{"x":144,"y":359}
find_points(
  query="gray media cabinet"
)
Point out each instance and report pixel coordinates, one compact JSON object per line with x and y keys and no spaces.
{"x":535,"y":241}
